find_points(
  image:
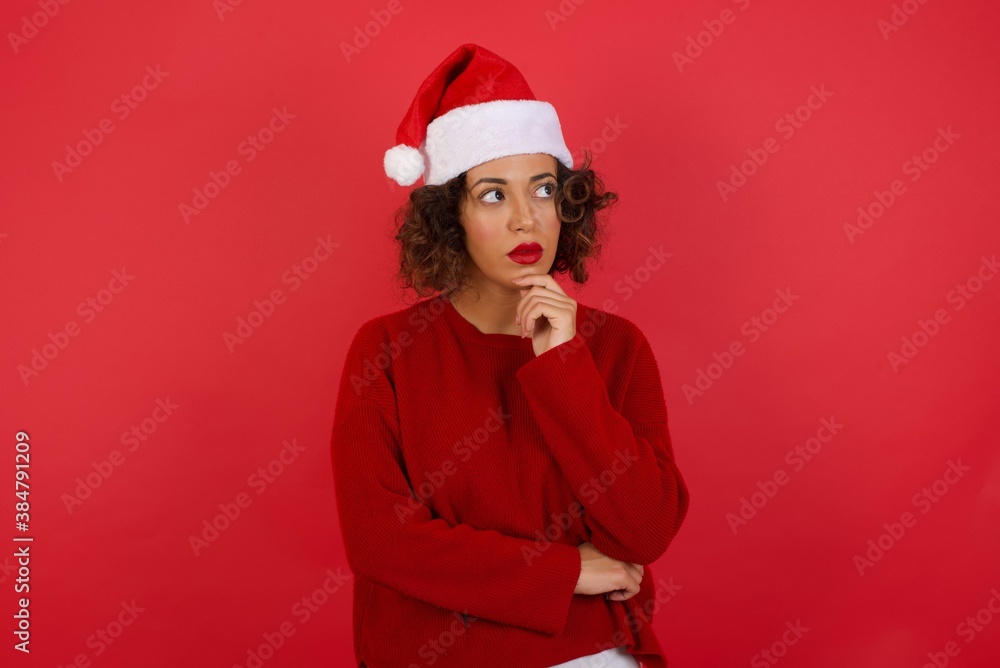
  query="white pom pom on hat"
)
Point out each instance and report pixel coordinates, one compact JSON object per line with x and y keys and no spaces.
{"x":403,"y":164}
{"x":474,"y":107}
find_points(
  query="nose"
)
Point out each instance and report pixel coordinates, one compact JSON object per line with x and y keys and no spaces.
{"x":522,"y":213}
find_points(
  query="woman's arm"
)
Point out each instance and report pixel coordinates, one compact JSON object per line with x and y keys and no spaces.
{"x":620,"y":464}
{"x":482,"y":573}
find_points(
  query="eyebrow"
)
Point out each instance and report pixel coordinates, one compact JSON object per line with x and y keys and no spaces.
{"x":489,"y":179}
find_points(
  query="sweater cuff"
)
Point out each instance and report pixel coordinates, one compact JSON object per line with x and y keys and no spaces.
{"x":562,"y":565}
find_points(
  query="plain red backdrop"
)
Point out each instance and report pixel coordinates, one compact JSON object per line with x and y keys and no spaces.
{"x":672,"y":100}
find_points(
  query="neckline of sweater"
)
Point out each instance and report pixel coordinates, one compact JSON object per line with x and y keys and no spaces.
{"x":469,"y":331}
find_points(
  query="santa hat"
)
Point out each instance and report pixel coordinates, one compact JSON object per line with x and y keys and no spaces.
{"x":474,"y":107}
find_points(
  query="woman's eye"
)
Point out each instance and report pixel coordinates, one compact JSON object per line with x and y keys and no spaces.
{"x":550,"y":186}
{"x":488,"y":194}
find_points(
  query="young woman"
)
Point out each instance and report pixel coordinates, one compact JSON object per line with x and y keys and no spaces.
{"x":503,"y":469}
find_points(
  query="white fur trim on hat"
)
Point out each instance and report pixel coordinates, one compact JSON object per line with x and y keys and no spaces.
{"x":403,"y":164}
{"x":477,"y":133}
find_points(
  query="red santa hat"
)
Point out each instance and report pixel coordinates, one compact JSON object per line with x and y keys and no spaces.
{"x":474,"y":107}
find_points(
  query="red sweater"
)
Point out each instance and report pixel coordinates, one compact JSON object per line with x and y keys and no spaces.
{"x":467,"y":470}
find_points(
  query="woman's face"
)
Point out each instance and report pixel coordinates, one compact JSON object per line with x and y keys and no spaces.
{"x":509,"y":201}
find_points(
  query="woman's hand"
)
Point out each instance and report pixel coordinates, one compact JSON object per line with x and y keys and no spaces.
{"x":600,"y":574}
{"x":546,"y":313}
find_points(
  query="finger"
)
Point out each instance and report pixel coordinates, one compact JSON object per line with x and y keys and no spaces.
{"x":631,"y":590}
{"x":531,"y":296}
{"x":628,"y":583}
{"x":634,"y":571}
{"x":545,"y":280}
{"x":543,"y":306}
{"x":633,"y":581}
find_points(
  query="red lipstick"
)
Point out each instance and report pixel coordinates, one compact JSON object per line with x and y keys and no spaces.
{"x":527,"y":253}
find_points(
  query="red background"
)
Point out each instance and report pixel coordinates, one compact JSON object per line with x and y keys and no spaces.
{"x":679,"y":132}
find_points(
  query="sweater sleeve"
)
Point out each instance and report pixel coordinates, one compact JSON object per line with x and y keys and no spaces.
{"x":620,"y":464}
{"x":401,"y":545}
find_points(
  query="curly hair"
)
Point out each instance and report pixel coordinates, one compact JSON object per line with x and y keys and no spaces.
{"x":432,"y":253}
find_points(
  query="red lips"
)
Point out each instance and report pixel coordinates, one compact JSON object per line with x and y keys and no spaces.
{"x":530,"y":246}
{"x":527,"y":253}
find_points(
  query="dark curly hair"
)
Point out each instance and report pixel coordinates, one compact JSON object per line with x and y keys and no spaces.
{"x":432,"y":253}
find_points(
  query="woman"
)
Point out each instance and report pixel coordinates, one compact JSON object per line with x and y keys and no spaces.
{"x":503,"y":470}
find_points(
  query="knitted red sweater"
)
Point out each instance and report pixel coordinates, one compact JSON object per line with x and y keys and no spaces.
{"x":467,"y":470}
